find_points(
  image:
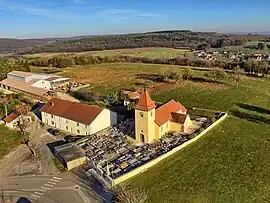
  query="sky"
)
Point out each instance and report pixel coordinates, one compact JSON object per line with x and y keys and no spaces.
{"x":65,"y":18}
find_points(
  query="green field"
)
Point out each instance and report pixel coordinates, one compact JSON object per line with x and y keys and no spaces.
{"x":256,"y":42}
{"x":9,"y":140}
{"x":140,"y":52}
{"x":229,"y":164}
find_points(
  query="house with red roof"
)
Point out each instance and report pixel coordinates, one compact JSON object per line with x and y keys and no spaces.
{"x":151,"y":123}
{"x":15,"y":117}
{"x":77,"y":118}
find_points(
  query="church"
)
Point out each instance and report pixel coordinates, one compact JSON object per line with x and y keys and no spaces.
{"x":152,"y":123}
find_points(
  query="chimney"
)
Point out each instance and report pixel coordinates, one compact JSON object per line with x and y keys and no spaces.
{"x":51,"y":103}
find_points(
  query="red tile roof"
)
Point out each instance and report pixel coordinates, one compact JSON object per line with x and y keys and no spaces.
{"x":145,"y":102}
{"x":81,"y":113}
{"x":52,"y":78}
{"x":16,"y":113}
{"x":11,"y":117}
{"x":163,"y":113}
{"x":178,"y":118}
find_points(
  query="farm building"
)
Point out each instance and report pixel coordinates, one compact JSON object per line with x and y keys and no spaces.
{"x":152,"y":123}
{"x":38,"y":85}
{"x":43,"y":81}
{"x":77,"y":118}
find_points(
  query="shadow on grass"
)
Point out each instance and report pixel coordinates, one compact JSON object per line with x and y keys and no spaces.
{"x":152,"y":77}
{"x":203,"y":79}
{"x":253,"y":108}
{"x":250,"y":117}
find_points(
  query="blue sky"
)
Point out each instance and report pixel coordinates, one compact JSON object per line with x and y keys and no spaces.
{"x":61,"y":18}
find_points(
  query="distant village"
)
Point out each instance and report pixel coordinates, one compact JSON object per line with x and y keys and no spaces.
{"x":213,"y":55}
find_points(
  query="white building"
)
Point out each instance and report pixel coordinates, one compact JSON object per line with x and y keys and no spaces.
{"x":13,"y":119}
{"x":77,"y":118}
{"x":43,"y":81}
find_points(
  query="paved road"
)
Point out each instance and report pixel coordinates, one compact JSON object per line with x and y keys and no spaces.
{"x":41,"y":189}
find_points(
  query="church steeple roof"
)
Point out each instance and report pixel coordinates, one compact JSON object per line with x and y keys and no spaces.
{"x":145,"y":102}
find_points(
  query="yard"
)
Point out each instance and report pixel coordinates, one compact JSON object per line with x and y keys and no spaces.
{"x":231,"y":163}
{"x":9,"y":140}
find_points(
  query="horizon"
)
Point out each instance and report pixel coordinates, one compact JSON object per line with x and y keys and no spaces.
{"x":130,"y":33}
{"x":37,"y":19}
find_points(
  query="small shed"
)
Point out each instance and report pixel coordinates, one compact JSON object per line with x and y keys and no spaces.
{"x":70,"y":155}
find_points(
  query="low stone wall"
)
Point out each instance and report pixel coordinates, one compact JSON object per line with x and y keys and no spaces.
{"x":149,"y":164}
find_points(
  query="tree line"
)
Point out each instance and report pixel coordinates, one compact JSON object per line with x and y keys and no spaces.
{"x":252,"y":67}
{"x":8,"y":66}
{"x":68,"y":61}
{"x":171,"y":39}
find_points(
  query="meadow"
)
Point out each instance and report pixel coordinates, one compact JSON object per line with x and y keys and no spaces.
{"x":231,"y":162}
{"x":140,"y":52}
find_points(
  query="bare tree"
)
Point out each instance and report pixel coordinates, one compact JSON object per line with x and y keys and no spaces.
{"x":236,"y":75}
{"x":30,"y":146}
{"x":187,"y":73}
{"x":124,"y":194}
{"x":23,"y":121}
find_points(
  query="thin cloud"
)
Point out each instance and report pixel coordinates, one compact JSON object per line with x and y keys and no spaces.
{"x":79,"y":2}
{"x":38,"y":11}
{"x":125,"y":13}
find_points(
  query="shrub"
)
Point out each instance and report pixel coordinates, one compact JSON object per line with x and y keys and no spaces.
{"x":186,"y":73}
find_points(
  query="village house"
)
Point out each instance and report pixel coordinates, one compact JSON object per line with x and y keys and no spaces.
{"x":15,"y":117}
{"x":152,"y":123}
{"x":77,"y":118}
{"x":130,"y":97}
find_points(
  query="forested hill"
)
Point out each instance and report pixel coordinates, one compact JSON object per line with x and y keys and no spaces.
{"x":8,"y":45}
{"x":173,"y":39}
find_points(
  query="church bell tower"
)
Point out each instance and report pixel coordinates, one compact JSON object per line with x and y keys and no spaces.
{"x":145,"y":119}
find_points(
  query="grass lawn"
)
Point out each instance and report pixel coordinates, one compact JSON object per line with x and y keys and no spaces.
{"x":140,"y":52}
{"x":229,"y":164}
{"x":255,"y":42}
{"x":9,"y":140}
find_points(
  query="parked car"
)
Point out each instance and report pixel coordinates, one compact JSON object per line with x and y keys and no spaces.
{"x":71,"y":138}
{"x":53,"y":131}
{"x":56,"y":132}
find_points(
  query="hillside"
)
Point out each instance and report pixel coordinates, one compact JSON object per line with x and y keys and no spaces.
{"x":172,"y":39}
{"x":16,"y":45}
{"x":169,"y":39}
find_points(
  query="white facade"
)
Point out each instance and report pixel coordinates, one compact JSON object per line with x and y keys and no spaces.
{"x":105,"y":119}
{"x":42,"y":84}
{"x":13,"y":124}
